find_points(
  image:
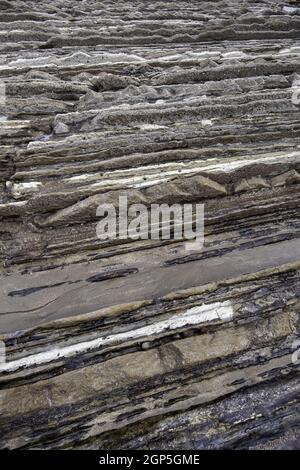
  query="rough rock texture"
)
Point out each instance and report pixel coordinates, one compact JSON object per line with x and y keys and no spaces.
{"x":142,"y":344}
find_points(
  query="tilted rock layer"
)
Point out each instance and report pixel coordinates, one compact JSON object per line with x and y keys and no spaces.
{"x":141,"y":343}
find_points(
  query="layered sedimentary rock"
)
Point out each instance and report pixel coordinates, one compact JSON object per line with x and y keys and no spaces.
{"x":142,"y":343}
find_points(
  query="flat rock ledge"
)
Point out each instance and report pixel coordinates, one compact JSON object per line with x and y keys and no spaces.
{"x":141,"y":344}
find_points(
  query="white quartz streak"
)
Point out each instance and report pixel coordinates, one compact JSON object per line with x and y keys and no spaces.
{"x":194,"y":316}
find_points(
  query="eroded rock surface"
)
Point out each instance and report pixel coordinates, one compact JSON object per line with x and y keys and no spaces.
{"x":143,"y":344}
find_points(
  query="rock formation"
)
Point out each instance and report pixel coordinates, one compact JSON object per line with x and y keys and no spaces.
{"x":141,"y":344}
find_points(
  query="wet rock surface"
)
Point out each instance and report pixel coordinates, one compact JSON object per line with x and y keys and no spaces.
{"x":140,"y":343}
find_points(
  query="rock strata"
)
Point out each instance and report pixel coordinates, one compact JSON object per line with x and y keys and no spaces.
{"x":143,"y":344}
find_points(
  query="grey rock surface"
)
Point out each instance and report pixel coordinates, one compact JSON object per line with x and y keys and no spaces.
{"x":141,"y":344}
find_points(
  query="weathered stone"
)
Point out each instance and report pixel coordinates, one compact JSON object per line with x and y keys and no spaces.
{"x":133,"y":344}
